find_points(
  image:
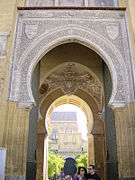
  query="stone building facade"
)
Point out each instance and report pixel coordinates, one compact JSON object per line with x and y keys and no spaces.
{"x":83,"y":49}
{"x":65,"y":137}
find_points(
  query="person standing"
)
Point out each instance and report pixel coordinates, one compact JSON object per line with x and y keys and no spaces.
{"x":92,"y":175}
{"x":82,"y":172}
{"x":62,"y":175}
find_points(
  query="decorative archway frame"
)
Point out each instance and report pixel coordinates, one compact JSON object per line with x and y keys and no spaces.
{"x":39,"y":31}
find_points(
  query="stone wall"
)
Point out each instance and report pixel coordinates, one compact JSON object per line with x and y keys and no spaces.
{"x":33,"y":123}
{"x":111,"y":147}
{"x":125,"y":135}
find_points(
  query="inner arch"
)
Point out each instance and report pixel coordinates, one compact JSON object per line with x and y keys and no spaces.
{"x":77,"y":101}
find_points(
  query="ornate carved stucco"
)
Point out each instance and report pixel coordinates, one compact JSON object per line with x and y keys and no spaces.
{"x":69,"y":77}
{"x":91,"y":28}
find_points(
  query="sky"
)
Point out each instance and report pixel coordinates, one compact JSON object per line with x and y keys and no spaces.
{"x":81,"y":118}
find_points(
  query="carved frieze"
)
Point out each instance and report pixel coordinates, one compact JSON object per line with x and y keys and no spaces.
{"x":102,"y":31}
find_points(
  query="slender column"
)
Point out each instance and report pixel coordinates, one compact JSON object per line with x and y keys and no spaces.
{"x":99,"y":154}
{"x":125,"y":135}
{"x":40,"y":150}
{"x":86,"y":3}
{"x":91,"y":154}
{"x":56,"y":2}
{"x":99,"y":147}
{"x":45,"y":173}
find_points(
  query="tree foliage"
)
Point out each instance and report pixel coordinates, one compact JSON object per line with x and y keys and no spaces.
{"x":55,"y":163}
{"x":81,"y":160}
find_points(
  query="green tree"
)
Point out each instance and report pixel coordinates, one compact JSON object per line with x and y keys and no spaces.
{"x":81,"y":160}
{"x":55,"y":163}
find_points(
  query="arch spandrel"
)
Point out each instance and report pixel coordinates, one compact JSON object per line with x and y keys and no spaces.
{"x":23,"y":66}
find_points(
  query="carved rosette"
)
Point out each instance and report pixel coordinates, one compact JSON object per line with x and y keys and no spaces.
{"x":103,"y":31}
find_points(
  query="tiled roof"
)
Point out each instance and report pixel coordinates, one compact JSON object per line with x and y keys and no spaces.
{"x":63,"y":116}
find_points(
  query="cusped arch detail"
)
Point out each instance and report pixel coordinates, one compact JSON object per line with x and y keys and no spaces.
{"x":20,"y":85}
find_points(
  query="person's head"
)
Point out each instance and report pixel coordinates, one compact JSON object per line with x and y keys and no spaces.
{"x":82,"y":171}
{"x":91,"y":169}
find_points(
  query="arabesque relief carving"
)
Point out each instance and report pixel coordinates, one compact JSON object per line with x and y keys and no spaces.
{"x":105,"y":32}
{"x":69,"y":80}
